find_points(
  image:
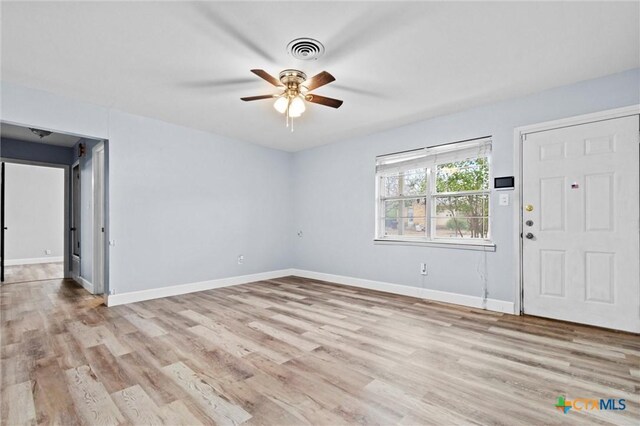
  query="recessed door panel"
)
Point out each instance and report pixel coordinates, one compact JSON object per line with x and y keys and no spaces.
{"x":599,"y":274}
{"x":600,"y":145}
{"x":552,"y":272}
{"x":552,"y":204}
{"x":599,"y":202}
{"x":552,"y":151}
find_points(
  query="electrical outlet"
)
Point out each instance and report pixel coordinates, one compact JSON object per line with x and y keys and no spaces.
{"x":503,"y":200}
{"x":47,"y":252}
{"x":423,"y":269}
{"x":240,"y":259}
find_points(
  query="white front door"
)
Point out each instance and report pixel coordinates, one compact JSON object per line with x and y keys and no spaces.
{"x":581,"y":237}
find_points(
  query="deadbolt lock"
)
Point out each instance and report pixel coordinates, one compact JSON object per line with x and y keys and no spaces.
{"x":528,"y":208}
{"x":529,"y":223}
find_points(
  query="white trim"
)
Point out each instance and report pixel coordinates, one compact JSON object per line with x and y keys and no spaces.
{"x":175,"y":290}
{"x":33,"y":260}
{"x":98,"y":249}
{"x":519,"y":134}
{"x":84,"y":283}
{"x":580,"y":119}
{"x":478,"y":245}
{"x":418,"y":292}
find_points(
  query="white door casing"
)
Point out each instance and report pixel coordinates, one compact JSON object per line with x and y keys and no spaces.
{"x":583,"y":262}
{"x":98,"y":218}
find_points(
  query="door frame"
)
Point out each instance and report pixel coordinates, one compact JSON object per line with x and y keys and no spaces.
{"x":66,"y":220}
{"x":519,"y":138}
{"x":105,"y":141}
{"x":99,"y":250}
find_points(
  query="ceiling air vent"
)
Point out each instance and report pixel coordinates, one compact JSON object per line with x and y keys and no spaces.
{"x":306,"y":49}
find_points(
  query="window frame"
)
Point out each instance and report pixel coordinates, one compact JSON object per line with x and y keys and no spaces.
{"x":430,"y":164}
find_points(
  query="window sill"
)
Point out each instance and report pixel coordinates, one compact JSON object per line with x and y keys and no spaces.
{"x":466,"y":245}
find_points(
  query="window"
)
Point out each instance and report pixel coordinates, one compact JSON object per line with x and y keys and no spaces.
{"x":438,"y":194}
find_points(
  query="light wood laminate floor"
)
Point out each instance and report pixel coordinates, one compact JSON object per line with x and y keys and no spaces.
{"x":33,"y":272}
{"x":295,"y":351}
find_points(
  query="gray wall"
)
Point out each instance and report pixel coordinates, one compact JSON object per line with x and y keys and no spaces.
{"x":183,"y":204}
{"x":31,"y":151}
{"x":34,"y":212}
{"x":334,"y":197}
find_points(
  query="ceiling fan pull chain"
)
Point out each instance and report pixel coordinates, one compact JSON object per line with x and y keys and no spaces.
{"x":286,"y":113}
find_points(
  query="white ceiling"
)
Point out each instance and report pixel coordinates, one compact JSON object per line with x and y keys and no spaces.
{"x":394,"y":63}
{"x":20,"y":133}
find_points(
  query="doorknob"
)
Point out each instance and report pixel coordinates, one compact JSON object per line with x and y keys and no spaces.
{"x":529,"y":236}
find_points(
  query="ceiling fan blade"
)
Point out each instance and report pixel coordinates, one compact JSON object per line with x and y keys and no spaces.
{"x":330,"y":102}
{"x":268,"y":77}
{"x":320,"y":80}
{"x":257,"y":98}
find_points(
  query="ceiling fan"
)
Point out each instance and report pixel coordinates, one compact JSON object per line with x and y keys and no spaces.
{"x":295,"y":91}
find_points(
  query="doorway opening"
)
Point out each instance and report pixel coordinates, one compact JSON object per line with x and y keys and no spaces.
{"x":33,"y":222}
{"x":78,"y":167}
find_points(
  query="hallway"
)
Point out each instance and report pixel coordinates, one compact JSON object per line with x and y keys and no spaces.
{"x":34,"y":272}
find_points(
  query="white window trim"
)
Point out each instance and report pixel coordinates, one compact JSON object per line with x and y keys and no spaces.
{"x":482,"y":245}
{"x":430,"y":241}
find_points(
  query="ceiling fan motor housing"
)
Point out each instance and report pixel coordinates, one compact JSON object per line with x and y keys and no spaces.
{"x":292,"y":76}
{"x":292,"y":80}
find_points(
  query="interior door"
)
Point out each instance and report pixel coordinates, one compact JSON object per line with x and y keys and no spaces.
{"x":581,"y":246}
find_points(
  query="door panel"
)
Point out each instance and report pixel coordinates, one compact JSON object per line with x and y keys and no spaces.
{"x":582,"y":260}
{"x":552,"y":204}
{"x":552,"y":272}
{"x":599,"y":208}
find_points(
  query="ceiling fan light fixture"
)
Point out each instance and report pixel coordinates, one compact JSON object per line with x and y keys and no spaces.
{"x":281,"y":104}
{"x":292,"y":100}
{"x":297,"y":107}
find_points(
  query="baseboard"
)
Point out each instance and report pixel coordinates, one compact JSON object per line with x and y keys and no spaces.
{"x":33,"y":260}
{"x":84,"y":283}
{"x":422,"y":293}
{"x":175,"y":290}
